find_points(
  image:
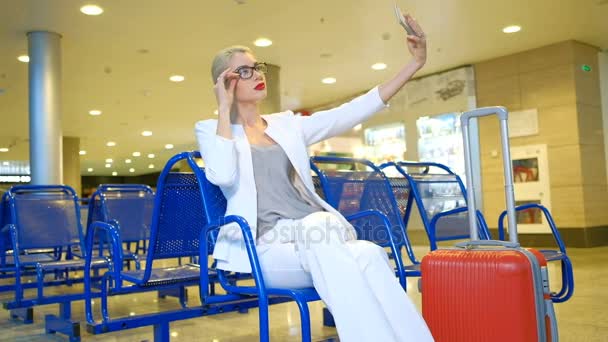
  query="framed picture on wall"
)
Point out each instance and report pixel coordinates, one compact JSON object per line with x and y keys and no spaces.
{"x":531,"y":185}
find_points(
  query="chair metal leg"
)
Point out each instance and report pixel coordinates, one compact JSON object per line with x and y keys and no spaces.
{"x":161,"y":332}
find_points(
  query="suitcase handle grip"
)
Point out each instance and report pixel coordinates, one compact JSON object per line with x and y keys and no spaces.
{"x":486,"y":243}
{"x":485,"y":111}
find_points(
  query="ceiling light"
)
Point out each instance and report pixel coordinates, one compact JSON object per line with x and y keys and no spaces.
{"x":151,"y":155}
{"x":131,"y":170}
{"x":91,"y":10}
{"x":216,"y":112}
{"x":109,"y":160}
{"x":262,"y":42}
{"x":114,"y":173}
{"x":136,"y":154}
{"x":95,"y":112}
{"x":329,"y":80}
{"x":3,"y":149}
{"x":379,"y":66}
{"x":358,"y":127}
{"x":146,"y":133}
{"x":111,"y":143}
{"x":169,"y":146}
{"x":128,"y":161}
{"x":7,"y":163}
{"x":90,"y":169}
{"x":24,"y":58}
{"x":82,"y":153}
{"x":176,"y":78}
{"x":108,"y":166}
{"x":511,"y":29}
{"x":151,"y":166}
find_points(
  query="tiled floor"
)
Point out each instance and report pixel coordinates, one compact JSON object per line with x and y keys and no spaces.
{"x":583,"y":318}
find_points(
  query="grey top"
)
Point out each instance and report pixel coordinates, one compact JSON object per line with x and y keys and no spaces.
{"x":278,"y":198}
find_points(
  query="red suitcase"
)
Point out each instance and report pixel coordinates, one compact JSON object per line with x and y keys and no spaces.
{"x":488,"y":290}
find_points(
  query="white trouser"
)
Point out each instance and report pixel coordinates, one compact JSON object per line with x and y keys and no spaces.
{"x":353,"y":277}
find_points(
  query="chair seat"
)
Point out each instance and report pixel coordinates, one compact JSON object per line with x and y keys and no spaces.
{"x":71,"y":264}
{"x":29,"y":259}
{"x":164,"y":276}
{"x":308,"y":294}
{"x":553,"y":255}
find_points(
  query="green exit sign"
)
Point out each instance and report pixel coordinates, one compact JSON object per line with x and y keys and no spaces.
{"x":585,"y":68}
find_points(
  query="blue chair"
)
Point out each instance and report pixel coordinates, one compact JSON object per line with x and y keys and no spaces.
{"x":355,"y":185}
{"x":567,"y":274}
{"x":129,"y":207}
{"x":45,"y":217}
{"x":177,"y":220}
{"x":440,"y":197}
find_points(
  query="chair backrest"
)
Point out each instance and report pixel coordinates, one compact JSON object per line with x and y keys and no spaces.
{"x":5,"y":239}
{"x":46,"y":216}
{"x":131,"y":205}
{"x":436,"y":190}
{"x":361,"y":187}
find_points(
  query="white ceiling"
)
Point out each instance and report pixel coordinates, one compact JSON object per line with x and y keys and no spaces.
{"x":104,"y":69}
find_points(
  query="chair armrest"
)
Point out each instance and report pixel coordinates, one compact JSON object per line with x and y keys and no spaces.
{"x":251,"y":252}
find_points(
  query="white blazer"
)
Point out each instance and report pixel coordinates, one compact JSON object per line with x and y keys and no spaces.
{"x":228,"y":164}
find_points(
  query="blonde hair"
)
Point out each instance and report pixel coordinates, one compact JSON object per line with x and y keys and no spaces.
{"x":222,"y":58}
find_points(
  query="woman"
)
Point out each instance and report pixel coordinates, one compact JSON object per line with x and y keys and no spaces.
{"x":261,"y":164}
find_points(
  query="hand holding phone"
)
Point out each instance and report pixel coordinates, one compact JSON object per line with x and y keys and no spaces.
{"x":410,"y":31}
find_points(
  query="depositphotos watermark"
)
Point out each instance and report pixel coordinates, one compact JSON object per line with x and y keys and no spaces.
{"x":327,"y":230}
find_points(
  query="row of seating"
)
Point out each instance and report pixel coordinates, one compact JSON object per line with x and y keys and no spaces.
{"x":129,"y":223}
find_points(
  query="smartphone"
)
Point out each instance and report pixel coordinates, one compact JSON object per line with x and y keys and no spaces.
{"x":403,"y":22}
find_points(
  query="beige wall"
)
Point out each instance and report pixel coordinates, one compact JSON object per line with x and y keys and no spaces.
{"x":551,"y":80}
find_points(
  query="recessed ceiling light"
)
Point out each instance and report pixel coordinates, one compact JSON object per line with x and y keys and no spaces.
{"x":128,"y":161}
{"x":3,"y":149}
{"x":6,"y":163}
{"x":114,"y":173}
{"x":176,"y":78}
{"x":216,"y":112}
{"x":174,"y":334}
{"x":82,"y":153}
{"x":358,"y":127}
{"x":131,"y":170}
{"x":151,"y":166}
{"x":328,"y":80}
{"x":511,"y":29}
{"x":262,"y":42}
{"x":111,"y":143}
{"x":136,"y":154}
{"x":379,"y":66}
{"x":95,"y":112}
{"x":169,"y":146}
{"x":109,"y":160}
{"x":91,"y":10}
{"x":90,"y":169}
{"x":108,"y":166}
{"x":24,"y":58}
{"x":151,"y":155}
{"x":146,"y":133}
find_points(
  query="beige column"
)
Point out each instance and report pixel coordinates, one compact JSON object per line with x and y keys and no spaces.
{"x":71,"y":163}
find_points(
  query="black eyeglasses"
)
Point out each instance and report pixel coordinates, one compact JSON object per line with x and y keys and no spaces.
{"x":246,"y":72}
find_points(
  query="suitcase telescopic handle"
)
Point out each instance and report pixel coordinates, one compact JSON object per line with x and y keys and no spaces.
{"x":502,"y":114}
{"x":487,"y":243}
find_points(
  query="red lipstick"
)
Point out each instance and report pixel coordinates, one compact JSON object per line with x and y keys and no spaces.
{"x":260,"y":86}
